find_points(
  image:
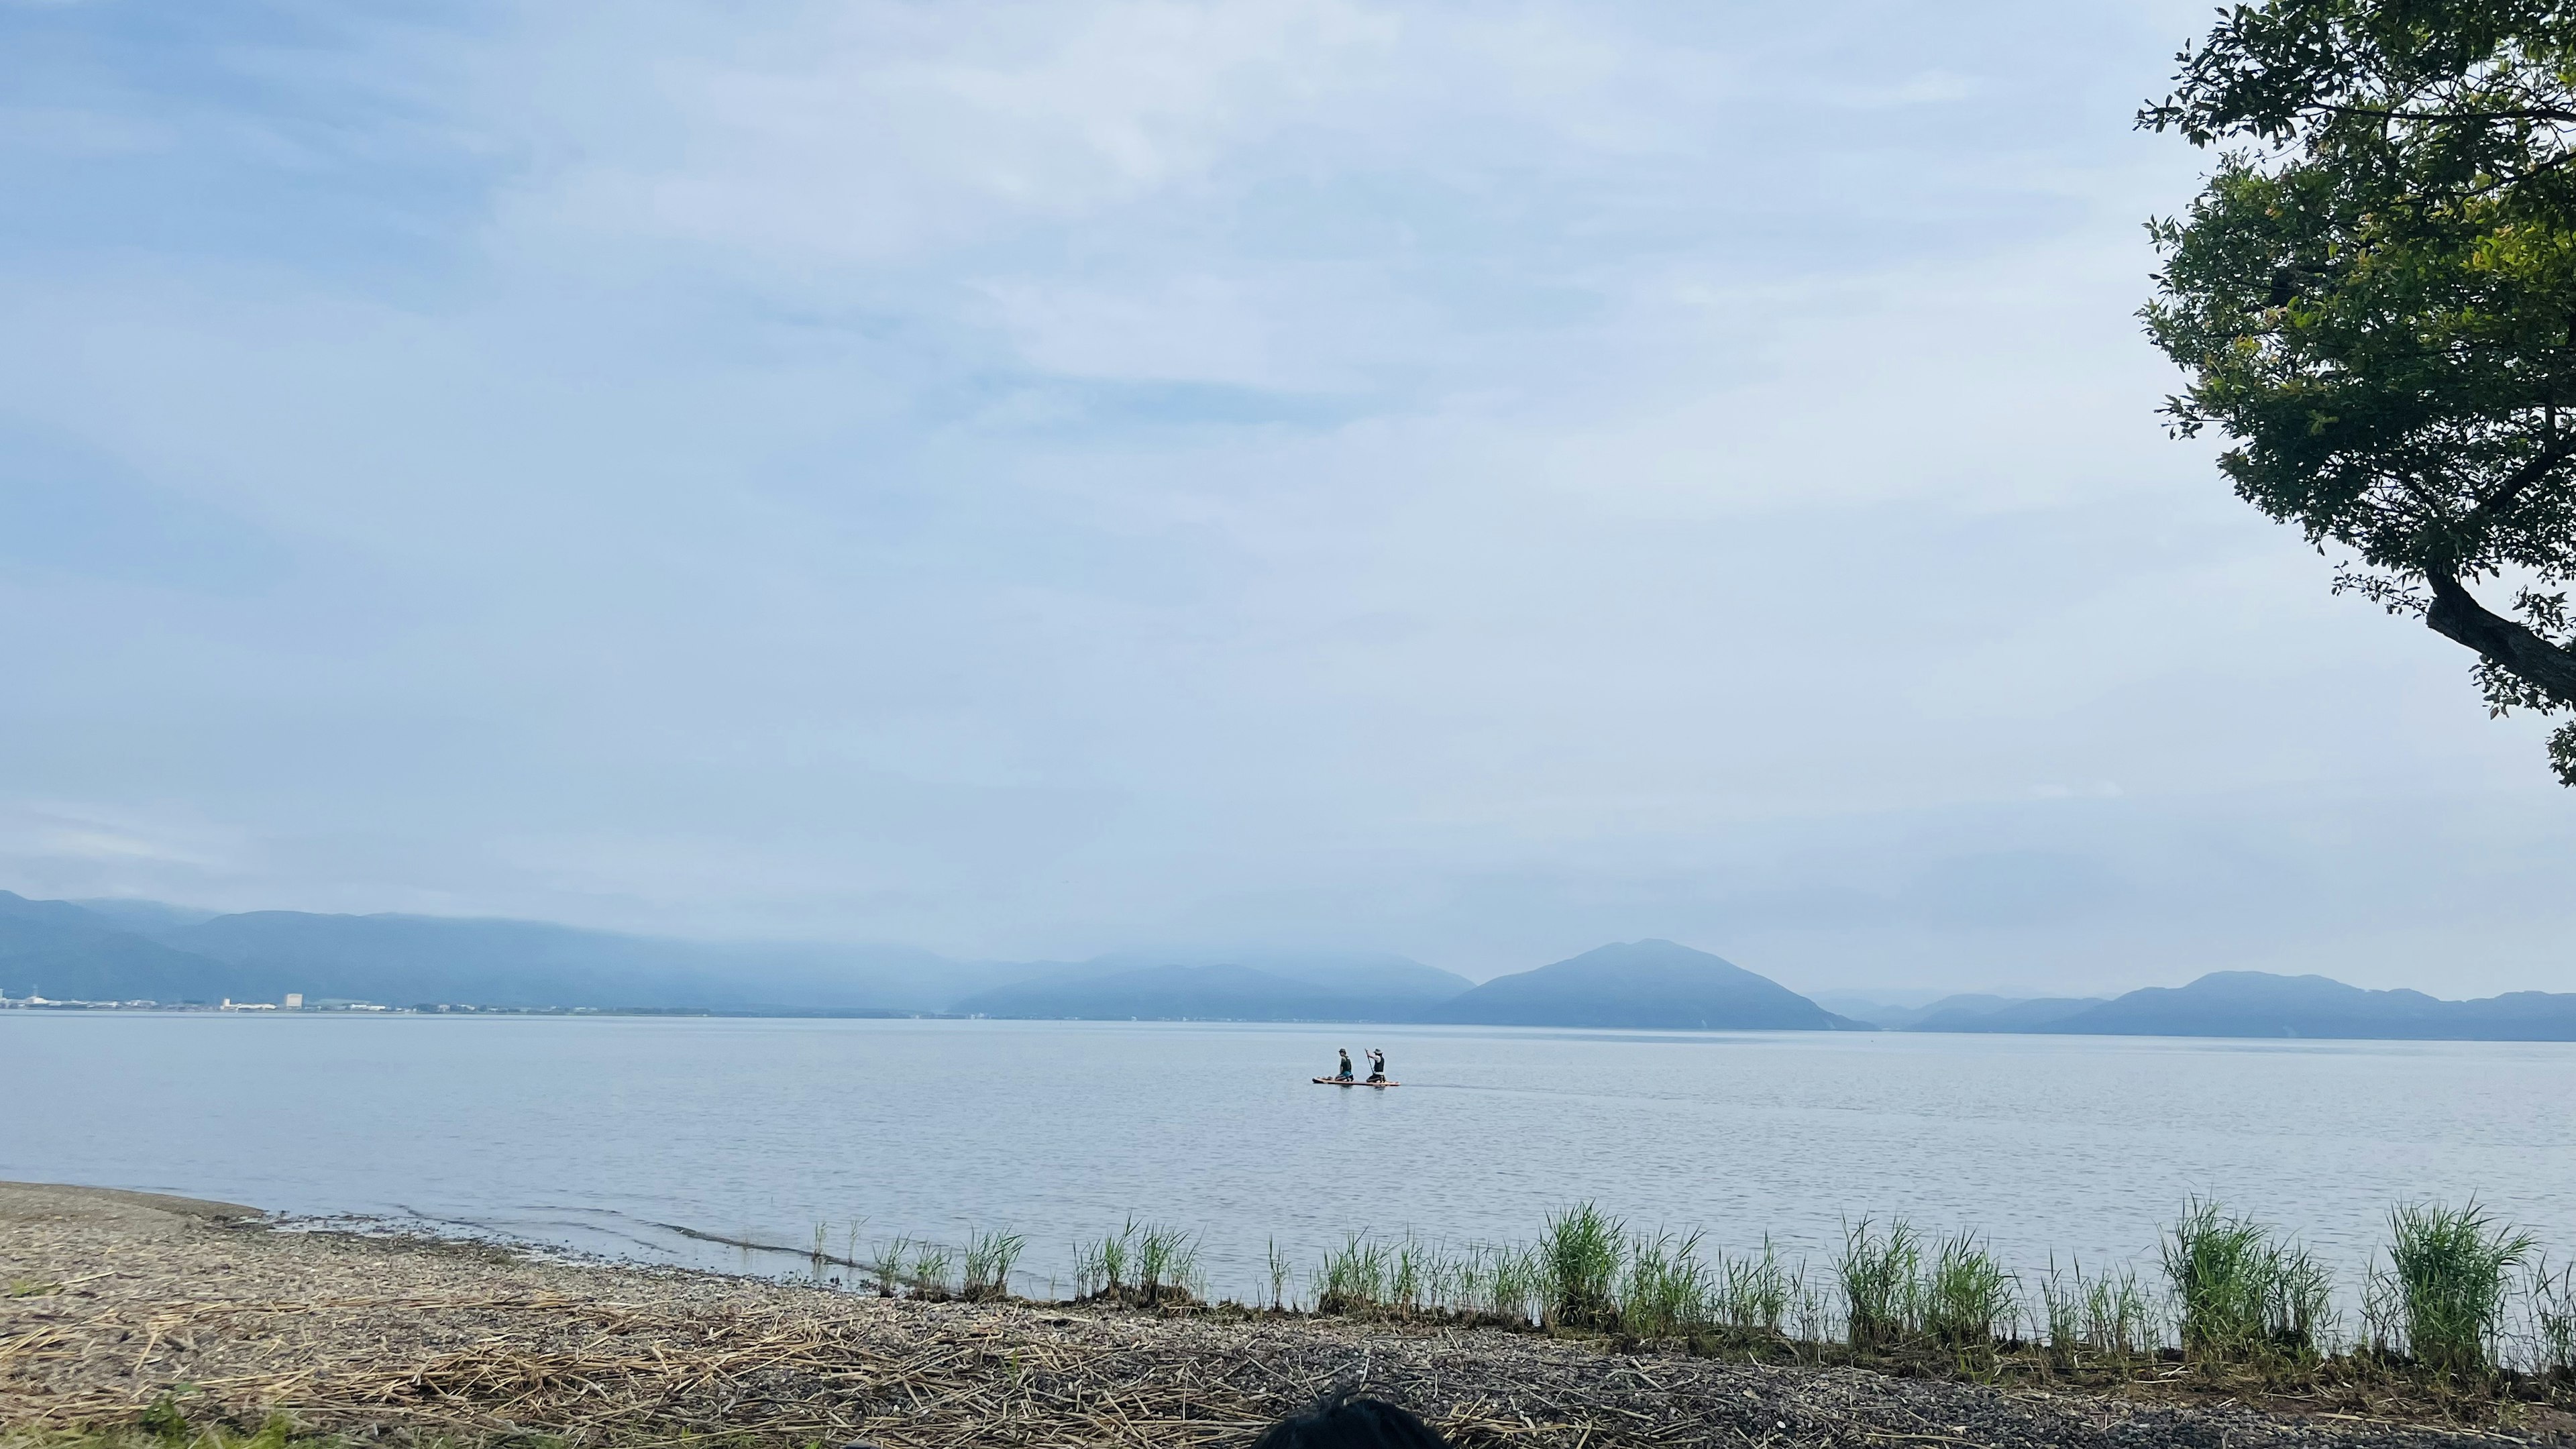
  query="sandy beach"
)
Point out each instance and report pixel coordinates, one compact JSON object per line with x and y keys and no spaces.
{"x":118,"y":1299}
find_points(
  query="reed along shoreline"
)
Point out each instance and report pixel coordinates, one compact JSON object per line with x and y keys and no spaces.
{"x":131,"y":1315}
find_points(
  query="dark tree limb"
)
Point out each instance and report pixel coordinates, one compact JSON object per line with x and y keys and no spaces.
{"x":2458,"y":616}
{"x":2556,"y":451}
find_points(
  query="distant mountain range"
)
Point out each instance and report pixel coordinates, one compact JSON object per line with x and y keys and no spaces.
{"x":1655,"y":985}
{"x":119,"y":951}
{"x":2000,"y":1013}
{"x":128,"y":950}
{"x":1115,"y":988}
{"x":2255,"y":1004}
{"x":142,"y":950}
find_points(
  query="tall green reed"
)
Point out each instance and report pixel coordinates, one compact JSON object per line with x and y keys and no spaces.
{"x":929,"y":1275}
{"x":1280,"y":1268}
{"x":1167,"y":1263}
{"x":1880,"y":1279}
{"x":1515,"y":1280}
{"x":2549,"y":1305}
{"x":1413,"y":1279}
{"x":1101,"y":1265}
{"x":1580,"y":1255}
{"x":2449,"y":1274}
{"x":886,"y":1274}
{"x":1665,"y":1292}
{"x":2243,"y":1292}
{"x":1753,"y":1293}
{"x":1353,"y":1278}
{"x":989,"y":1260}
{"x":1967,"y":1300}
{"x":2110,"y":1315}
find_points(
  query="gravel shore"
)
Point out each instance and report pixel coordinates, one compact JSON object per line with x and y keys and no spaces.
{"x":117,"y":1299}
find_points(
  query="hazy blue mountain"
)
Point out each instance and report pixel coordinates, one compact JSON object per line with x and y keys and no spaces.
{"x":125,"y":949}
{"x":1881,"y":1009}
{"x":1182,"y":993}
{"x":1373,"y":976}
{"x":2256,"y":1003}
{"x":2517,"y":1016}
{"x":143,"y":917}
{"x":1966,"y":1003}
{"x":79,"y":952}
{"x":1902,"y":1015}
{"x":57,"y":949}
{"x":122,"y":950}
{"x":1655,"y":985}
{"x":2001,"y":1013}
{"x":405,"y":959}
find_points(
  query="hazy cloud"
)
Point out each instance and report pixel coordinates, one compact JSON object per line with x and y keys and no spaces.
{"x":1030,"y":480}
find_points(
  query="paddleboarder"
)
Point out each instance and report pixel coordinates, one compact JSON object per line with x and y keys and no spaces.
{"x":1377,"y":1065}
{"x":1344,"y":1074}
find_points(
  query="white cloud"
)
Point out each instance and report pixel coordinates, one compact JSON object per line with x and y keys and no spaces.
{"x":1029,"y":479}
{"x":866,"y":132}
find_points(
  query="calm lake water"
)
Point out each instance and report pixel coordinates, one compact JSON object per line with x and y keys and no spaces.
{"x":614,"y":1135}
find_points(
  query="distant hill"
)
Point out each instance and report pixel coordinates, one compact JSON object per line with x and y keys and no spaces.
{"x":128,"y":951}
{"x":1653,"y":985}
{"x":1396,"y":984}
{"x":2260,"y":1004}
{"x":1885,"y":1009}
{"x":2256,"y":1003}
{"x":122,"y":950}
{"x":1186,"y":993}
{"x":1998,"y":1013}
{"x":1901,"y":1016}
{"x":62,"y":951}
{"x":128,"y":914}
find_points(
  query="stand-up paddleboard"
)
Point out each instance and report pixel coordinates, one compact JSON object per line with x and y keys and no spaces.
{"x":1352,"y":1082}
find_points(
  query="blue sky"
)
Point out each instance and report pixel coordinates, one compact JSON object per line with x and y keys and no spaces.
{"x":1030,"y":480}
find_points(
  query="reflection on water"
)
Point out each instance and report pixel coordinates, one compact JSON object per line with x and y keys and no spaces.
{"x":677,"y":1140}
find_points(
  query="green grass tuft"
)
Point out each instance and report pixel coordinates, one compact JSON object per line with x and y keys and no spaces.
{"x":2244,"y":1293}
{"x":2450,"y":1271}
{"x":1353,"y":1279}
{"x":886,"y":1274}
{"x":1665,"y":1293}
{"x":1968,"y":1300}
{"x":1514,"y":1282}
{"x":1101,"y":1265}
{"x":1280,"y":1268}
{"x":928,"y":1277}
{"x":1881,"y":1283}
{"x":2109,"y":1316}
{"x":1754,"y":1294}
{"x":989,"y":1260}
{"x":2550,"y":1307}
{"x":1580,"y":1256}
{"x":1167,"y":1263}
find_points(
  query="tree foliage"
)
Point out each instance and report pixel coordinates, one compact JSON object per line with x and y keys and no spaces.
{"x":2375,"y":296}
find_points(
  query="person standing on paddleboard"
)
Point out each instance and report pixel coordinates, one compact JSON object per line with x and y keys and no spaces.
{"x":1377,"y":1065}
{"x":1344,"y":1074}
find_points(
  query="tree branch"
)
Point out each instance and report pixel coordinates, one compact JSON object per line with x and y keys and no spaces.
{"x":2459,"y":617}
{"x":2551,"y":454}
{"x":2553,"y":114}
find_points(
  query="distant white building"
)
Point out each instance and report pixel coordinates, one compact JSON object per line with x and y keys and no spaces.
{"x":295,"y":1001}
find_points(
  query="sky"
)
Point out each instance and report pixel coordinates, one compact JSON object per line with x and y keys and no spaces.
{"x":1030,"y":480}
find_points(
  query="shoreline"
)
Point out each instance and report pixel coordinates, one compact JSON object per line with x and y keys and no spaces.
{"x":121,"y":1298}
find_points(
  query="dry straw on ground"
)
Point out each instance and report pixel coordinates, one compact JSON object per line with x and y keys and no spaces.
{"x":125,"y":1298}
